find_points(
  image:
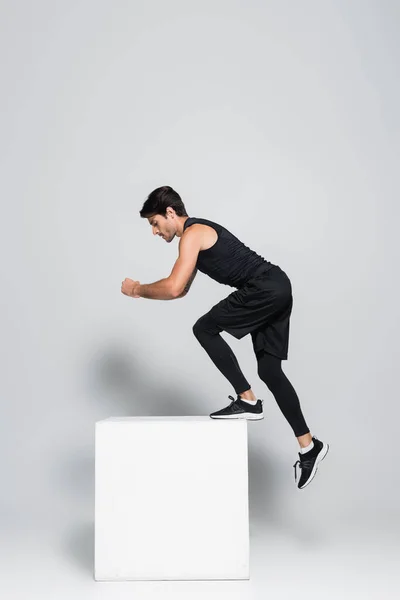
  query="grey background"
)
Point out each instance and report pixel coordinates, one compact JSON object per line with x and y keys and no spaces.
{"x":278,"y":120}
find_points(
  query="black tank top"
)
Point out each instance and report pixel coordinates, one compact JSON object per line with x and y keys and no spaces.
{"x":228,"y":261}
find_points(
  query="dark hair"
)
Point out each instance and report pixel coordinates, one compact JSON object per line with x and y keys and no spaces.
{"x":158,"y":201}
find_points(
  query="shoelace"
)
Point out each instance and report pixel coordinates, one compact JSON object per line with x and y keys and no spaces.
{"x":304,"y":463}
{"x":237,"y":407}
{"x":308,"y":464}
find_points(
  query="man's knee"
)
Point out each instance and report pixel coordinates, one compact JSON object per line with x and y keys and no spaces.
{"x":272,"y":379}
{"x":205,"y":324}
{"x":197,"y":329}
{"x":269,"y":370}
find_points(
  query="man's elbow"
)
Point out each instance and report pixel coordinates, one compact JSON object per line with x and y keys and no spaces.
{"x":177,"y":292}
{"x":180,"y":292}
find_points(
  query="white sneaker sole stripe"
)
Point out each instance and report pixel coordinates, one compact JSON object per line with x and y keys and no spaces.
{"x":248,"y":416}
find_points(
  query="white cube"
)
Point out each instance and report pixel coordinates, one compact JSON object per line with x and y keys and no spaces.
{"x":171,"y":499}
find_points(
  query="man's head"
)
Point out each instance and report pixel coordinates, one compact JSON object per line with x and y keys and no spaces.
{"x":165,"y":212}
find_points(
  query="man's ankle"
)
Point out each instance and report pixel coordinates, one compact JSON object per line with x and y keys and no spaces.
{"x":248,"y":396}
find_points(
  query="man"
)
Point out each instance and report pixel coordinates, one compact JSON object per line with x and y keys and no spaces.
{"x":261,"y":306}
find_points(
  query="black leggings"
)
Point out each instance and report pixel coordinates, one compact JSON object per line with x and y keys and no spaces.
{"x":269,"y":370}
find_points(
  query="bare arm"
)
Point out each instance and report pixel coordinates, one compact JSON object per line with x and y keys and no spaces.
{"x":159,"y":290}
{"x":189,"y":283}
{"x":183,"y":272}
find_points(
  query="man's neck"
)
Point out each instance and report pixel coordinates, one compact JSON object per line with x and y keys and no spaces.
{"x":182,"y":221}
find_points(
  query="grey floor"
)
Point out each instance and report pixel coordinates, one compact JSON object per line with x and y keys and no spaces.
{"x":288,"y":560}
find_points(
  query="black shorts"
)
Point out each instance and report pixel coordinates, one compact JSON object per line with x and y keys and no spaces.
{"x":261,"y":307}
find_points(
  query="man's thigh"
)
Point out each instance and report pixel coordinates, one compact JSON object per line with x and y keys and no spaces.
{"x":236,"y":315}
{"x":258,"y":303}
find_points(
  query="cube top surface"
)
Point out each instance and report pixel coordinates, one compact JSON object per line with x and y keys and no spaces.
{"x":157,"y":418}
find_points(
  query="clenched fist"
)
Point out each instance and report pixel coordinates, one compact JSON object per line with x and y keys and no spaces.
{"x":130,"y":287}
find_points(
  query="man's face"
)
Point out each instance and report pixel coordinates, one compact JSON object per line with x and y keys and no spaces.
{"x":162,"y":226}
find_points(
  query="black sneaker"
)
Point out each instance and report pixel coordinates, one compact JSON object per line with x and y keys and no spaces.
{"x":240,"y":409}
{"x":309,"y":461}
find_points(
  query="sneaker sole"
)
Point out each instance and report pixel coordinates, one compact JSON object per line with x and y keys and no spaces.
{"x":248,"y":416}
{"x":321,"y":456}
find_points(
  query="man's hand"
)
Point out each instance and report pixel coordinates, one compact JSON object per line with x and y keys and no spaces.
{"x":130,"y":288}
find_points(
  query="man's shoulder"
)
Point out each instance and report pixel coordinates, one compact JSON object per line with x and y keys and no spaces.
{"x":191,"y":229}
{"x":200,"y":234}
{"x":194,"y":232}
{"x":200,"y":223}
{"x":197,"y":228}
